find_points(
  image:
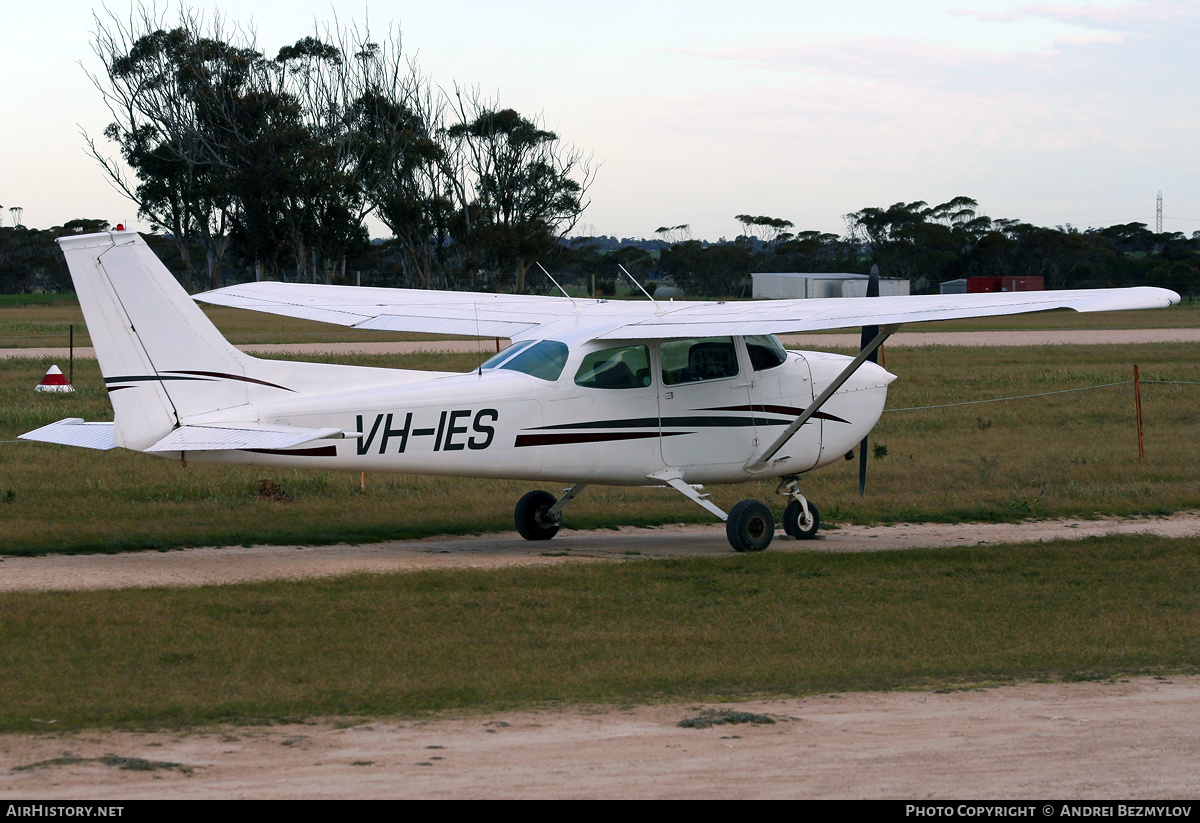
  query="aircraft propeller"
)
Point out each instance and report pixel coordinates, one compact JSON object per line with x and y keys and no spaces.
{"x":868,"y":334}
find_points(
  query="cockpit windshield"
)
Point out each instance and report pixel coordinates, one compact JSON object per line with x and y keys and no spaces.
{"x":544,"y":359}
{"x":496,"y":360}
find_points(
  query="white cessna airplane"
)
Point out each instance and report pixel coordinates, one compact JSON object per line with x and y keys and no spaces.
{"x":591,"y":391}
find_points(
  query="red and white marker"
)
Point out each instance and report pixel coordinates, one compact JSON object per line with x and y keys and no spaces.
{"x":54,"y":381}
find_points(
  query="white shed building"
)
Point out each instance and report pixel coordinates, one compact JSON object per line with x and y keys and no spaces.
{"x":820,"y":284}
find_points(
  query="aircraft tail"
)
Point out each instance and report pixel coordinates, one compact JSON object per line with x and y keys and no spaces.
{"x":161,"y":357}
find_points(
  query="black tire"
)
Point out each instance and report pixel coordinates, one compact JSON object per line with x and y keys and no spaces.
{"x":531,"y":518}
{"x":791,"y":521}
{"x":750,"y":526}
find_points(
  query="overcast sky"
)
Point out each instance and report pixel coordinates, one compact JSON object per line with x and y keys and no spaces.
{"x":1055,"y":113}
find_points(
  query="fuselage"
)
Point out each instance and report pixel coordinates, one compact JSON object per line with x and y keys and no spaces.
{"x":578,"y":410}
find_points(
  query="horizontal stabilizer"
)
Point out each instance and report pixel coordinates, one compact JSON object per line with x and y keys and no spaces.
{"x":73,"y":431}
{"x":227,"y":436}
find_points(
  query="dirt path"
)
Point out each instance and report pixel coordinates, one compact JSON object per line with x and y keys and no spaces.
{"x":1126,"y":739}
{"x":193,"y":567}
{"x":1033,"y":337}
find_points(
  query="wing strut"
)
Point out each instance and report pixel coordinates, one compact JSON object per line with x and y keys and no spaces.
{"x":674,"y":479}
{"x":884,"y":333}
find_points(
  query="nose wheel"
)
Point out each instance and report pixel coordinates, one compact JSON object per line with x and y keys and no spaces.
{"x":797,"y":525}
{"x":801,"y":519}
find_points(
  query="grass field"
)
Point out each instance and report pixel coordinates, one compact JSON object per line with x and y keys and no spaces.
{"x":1064,"y":454}
{"x":613,"y":633}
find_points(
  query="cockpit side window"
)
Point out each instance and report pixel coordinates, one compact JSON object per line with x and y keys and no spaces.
{"x":544,"y":360}
{"x":627,"y":367}
{"x":698,"y":358}
{"x":766,"y":352}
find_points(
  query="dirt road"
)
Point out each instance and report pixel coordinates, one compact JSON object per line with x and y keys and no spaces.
{"x":1050,"y":337}
{"x":237,"y":564}
{"x":1121,"y":739}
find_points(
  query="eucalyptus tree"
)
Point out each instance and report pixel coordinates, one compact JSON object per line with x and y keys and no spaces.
{"x":919,"y":242}
{"x":222,"y":140}
{"x":770,"y":229}
{"x":519,"y":187}
{"x":165,"y":89}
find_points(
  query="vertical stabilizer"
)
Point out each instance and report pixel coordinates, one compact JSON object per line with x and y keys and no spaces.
{"x":161,"y":357}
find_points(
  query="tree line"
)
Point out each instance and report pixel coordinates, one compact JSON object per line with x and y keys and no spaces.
{"x":925,"y":244}
{"x":279,"y":159}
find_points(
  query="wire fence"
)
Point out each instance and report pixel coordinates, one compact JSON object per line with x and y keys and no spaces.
{"x":1042,"y":394}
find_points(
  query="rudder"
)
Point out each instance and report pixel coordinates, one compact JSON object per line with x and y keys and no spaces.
{"x":162,"y":358}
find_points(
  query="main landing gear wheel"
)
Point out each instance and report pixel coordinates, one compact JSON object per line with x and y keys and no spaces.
{"x":793,"y":526}
{"x":532,"y":521}
{"x":750,"y":526}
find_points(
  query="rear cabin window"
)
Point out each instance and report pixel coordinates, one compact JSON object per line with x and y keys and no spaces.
{"x":698,"y":358}
{"x":627,"y":367}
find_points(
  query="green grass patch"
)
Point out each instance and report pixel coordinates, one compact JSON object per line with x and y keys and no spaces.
{"x":729,"y":628}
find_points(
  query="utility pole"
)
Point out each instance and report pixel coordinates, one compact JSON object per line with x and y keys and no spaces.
{"x":1158,"y":216}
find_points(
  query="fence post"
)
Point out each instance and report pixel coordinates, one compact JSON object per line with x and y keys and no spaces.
{"x":1137,"y":401}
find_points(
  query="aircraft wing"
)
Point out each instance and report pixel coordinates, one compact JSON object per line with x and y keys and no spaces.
{"x":783,"y":316}
{"x":413,"y":310}
{"x":510,"y":315}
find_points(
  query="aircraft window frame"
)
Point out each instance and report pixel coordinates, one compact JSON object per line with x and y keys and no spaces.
{"x":770,"y":345}
{"x":544,"y":360}
{"x":612,"y":369}
{"x":692,"y":371}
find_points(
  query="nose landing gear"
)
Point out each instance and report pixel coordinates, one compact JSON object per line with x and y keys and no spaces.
{"x":801,"y":519}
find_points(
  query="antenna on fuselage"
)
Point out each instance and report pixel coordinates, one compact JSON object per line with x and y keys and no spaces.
{"x":657,"y":307}
{"x":560,"y":288}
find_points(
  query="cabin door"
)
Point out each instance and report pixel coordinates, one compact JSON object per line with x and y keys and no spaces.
{"x":704,"y":403}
